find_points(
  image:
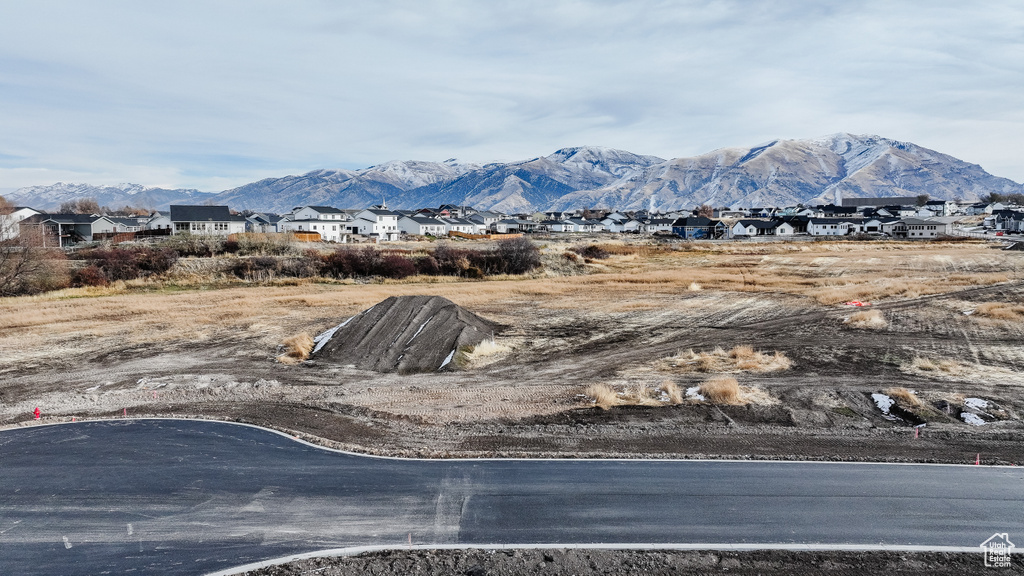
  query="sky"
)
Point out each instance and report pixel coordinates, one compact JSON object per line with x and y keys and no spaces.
{"x":215,"y":94}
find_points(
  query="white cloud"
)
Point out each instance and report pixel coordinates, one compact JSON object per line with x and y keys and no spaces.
{"x":214,"y":94}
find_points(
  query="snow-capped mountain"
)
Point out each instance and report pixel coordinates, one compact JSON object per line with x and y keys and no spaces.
{"x":342,"y":188}
{"x":51,"y":197}
{"x":788,"y":172}
{"x":531,"y":184}
{"x":777,"y":173}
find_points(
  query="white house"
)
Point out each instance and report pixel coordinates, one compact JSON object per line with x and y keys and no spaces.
{"x":319,"y":213}
{"x":919,"y":229}
{"x":377,"y":222}
{"x":329,"y":230}
{"x":422,"y":226}
{"x":486,"y":218}
{"x":658,"y":225}
{"x":828,"y":227}
{"x":158,"y":221}
{"x":210,"y":220}
{"x":754,"y":228}
{"x":461,"y":225}
{"x":9,"y":227}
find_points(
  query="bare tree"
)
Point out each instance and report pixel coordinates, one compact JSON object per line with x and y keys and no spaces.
{"x":706,"y":211}
{"x":27,"y":267}
{"x":80,"y":206}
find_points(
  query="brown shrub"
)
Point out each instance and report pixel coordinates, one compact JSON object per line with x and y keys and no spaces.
{"x":1000,"y":311}
{"x":297,"y":348}
{"x":604,"y":395}
{"x":867,"y":319}
{"x":671,"y":389}
{"x":722,"y":390}
{"x":905,"y":398}
{"x":739,"y":359}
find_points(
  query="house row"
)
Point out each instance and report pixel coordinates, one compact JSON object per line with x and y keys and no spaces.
{"x":338,"y":225}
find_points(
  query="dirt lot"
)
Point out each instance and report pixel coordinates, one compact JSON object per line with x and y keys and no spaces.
{"x":949,"y":329}
{"x":605,"y":562}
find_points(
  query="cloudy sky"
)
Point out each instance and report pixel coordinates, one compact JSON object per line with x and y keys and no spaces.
{"x":213,"y":94}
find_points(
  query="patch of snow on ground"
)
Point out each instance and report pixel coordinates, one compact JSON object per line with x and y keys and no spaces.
{"x":326,"y":336}
{"x":447,"y":359}
{"x":972,"y":419}
{"x":694,"y":392}
{"x":976,"y":403}
{"x":884,"y":404}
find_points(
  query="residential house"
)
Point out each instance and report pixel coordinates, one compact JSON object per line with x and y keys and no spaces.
{"x":797,"y":222}
{"x":158,"y":221}
{"x":745,"y":228}
{"x":632,"y":225}
{"x":422,"y":226}
{"x":658,"y":225}
{"x":829,"y":226}
{"x":210,"y":220}
{"x":329,"y":230}
{"x":10,"y":223}
{"x":67,"y":229}
{"x":378,"y":222}
{"x":319,"y":213}
{"x":698,"y":228}
{"x":462,"y":225}
{"x":263,"y":223}
{"x":919,"y":229}
{"x":126,"y":224}
{"x":942,"y":207}
{"x":511,"y":225}
{"x":486,"y":218}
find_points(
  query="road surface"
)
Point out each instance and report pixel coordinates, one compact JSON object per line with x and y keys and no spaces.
{"x":194,"y":497}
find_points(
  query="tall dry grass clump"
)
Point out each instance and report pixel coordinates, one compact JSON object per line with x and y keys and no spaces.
{"x":929,"y":365}
{"x":296,"y":349}
{"x":1000,"y":311}
{"x":640,"y":395}
{"x":867,"y":320}
{"x":905,"y":398}
{"x":672,"y":390}
{"x":722,"y":390}
{"x":739,"y":359}
{"x":485,"y":349}
{"x":604,"y":395}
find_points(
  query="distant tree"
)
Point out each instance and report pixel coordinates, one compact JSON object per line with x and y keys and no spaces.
{"x":1015,"y":198}
{"x":993,"y":197}
{"x":80,"y":206}
{"x":705,"y":210}
{"x":127,"y":211}
{"x":923,"y":199}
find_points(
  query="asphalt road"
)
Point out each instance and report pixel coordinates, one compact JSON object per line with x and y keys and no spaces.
{"x":193,"y":497}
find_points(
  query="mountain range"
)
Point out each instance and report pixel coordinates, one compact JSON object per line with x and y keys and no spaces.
{"x":776,"y":173}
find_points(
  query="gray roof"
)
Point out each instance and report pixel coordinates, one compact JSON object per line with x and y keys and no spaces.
{"x":323,"y":209}
{"x":200,"y":214}
{"x":423,"y":220}
{"x":66,"y":218}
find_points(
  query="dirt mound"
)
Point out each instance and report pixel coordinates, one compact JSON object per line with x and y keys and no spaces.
{"x":404,"y":334}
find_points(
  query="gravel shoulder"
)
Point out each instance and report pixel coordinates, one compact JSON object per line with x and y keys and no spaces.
{"x":615,"y":562}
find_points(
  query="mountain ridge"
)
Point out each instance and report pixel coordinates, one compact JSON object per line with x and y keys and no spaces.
{"x":774,"y":173}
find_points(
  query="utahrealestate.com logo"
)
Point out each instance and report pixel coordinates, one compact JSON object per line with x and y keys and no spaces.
{"x":997,"y":550}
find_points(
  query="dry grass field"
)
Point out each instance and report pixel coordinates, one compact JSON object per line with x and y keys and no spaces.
{"x":648,"y":322}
